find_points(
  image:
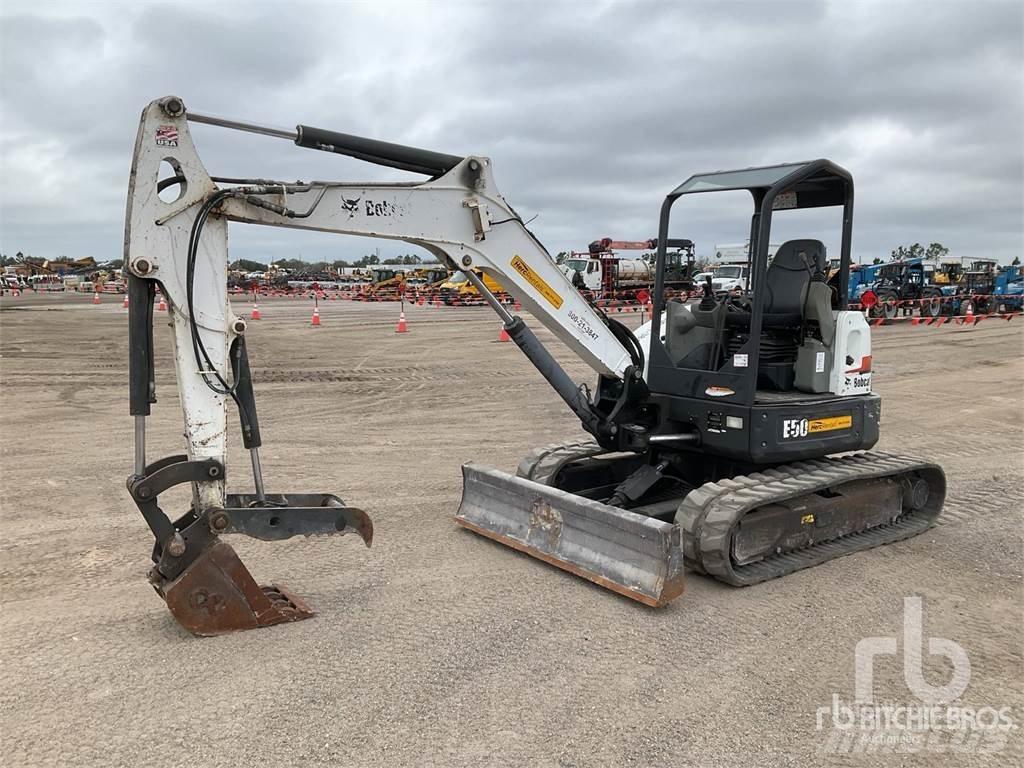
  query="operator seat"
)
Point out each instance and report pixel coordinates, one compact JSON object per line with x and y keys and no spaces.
{"x":795,"y":296}
{"x":786,"y":285}
{"x":787,"y":280}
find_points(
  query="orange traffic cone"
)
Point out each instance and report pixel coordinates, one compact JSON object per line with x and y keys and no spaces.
{"x":162,"y":306}
{"x":255,"y":311}
{"x":969,"y":314}
{"x":124,"y":304}
{"x":316,"y":317}
{"x":96,"y":298}
{"x":402,"y":327}
{"x":503,"y":336}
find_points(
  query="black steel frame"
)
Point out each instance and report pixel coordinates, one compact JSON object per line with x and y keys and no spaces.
{"x":818,"y":183}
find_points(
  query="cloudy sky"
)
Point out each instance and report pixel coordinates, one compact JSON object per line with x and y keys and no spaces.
{"x":591,"y":111}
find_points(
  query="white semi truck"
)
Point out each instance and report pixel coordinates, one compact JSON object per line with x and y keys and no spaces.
{"x":733,"y":273}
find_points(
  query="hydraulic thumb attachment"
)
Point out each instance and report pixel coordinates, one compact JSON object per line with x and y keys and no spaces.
{"x":204,"y":583}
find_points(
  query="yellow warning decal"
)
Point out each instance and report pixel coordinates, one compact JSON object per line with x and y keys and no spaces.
{"x":807,"y":520}
{"x":537,"y":282}
{"x":827,"y":425}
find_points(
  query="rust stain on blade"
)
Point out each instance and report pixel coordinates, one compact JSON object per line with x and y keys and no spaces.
{"x":545,"y":522}
{"x":669,"y":589}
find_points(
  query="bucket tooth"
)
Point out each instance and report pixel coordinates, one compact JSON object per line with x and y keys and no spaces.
{"x":215,"y":594}
{"x":632,"y":554}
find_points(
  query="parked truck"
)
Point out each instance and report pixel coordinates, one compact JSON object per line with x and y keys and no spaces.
{"x":988,"y":290}
{"x":602,"y":272}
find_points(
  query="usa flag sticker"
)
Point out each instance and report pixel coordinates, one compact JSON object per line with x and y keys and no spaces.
{"x":166,"y":136}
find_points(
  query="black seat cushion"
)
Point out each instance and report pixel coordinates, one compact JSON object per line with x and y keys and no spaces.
{"x":785,"y":288}
{"x":789,"y":275}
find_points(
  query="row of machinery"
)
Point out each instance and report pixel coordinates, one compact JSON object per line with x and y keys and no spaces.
{"x":713,"y":433}
{"x":903,"y":286}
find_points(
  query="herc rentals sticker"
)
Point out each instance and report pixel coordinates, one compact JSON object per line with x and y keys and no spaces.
{"x":803,"y":427}
{"x":827,"y":425}
{"x":537,"y":282}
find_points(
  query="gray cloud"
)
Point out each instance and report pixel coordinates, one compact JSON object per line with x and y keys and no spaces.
{"x":591,"y":112}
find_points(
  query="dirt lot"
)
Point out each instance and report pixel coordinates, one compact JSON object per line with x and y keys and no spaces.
{"x":437,"y":647}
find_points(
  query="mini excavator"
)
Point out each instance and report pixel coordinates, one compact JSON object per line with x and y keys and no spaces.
{"x":713,"y":429}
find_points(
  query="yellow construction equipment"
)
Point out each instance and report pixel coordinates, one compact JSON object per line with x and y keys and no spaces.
{"x":459,"y":287}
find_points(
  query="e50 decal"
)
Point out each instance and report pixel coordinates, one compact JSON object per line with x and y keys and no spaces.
{"x":794,"y":428}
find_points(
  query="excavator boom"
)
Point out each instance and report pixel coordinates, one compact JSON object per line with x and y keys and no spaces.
{"x":176,"y":239}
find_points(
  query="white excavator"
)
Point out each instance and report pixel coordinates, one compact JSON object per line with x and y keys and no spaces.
{"x":711,"y":426}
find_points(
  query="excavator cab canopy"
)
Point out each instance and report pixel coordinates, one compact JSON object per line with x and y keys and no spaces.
{"x":776,"y":291}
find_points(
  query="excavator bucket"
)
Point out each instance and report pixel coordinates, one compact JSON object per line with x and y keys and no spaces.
{"x":207,"y":588}
{"x":635,"y":555}
{"x":216,"y":594}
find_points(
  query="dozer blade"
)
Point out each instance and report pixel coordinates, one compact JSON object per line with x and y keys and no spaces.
{"x":637,"y":556}
{"x":216,"y":594}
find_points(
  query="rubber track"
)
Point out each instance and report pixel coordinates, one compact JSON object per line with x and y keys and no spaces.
{"x":709,"y":515}
{"x":542,"y":464}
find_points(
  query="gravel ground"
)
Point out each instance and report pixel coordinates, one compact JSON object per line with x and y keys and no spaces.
{"x":438,"y":647}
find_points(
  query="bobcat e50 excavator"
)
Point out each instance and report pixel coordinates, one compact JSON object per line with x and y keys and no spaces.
{"x":711,"y":426}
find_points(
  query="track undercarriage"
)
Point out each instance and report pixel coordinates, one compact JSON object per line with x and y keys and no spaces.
{"x":739,"y":527}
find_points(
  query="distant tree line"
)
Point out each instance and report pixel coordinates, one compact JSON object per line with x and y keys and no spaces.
{"x":300,"y":266}
{"x":934,"y":252}
{"x":21,"y":258}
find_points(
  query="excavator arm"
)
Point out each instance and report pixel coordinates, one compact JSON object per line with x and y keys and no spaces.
{"x":179,"y":243}
{"x":459,"y":216}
